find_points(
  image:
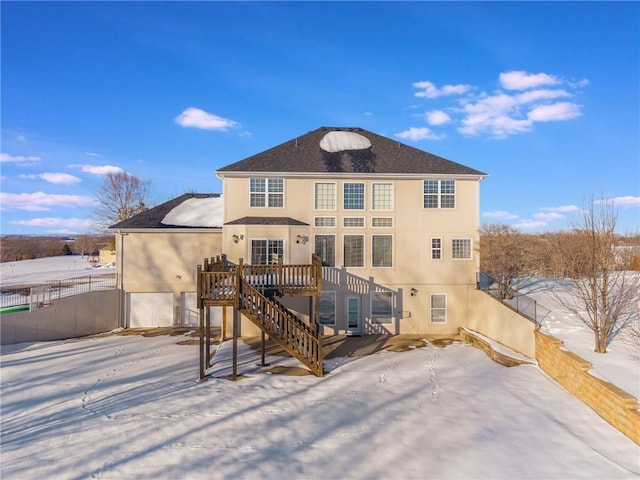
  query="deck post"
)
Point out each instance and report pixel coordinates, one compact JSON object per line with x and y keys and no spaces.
{"x":224,"y":324}
{"x":280,"y":274}
{"x":201,"y":319}
{"x":207,"y":337}
{"x":263,"y":363}
{"x":202,"y":369}
{"x":236,"y":315}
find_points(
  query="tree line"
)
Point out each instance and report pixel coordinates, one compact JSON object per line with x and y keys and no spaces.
{"x":14,"y":248}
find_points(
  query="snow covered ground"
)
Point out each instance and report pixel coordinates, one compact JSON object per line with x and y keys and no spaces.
{"x":620,"y":365}
{"x":40,"y":270}
{"x":127,"y":407}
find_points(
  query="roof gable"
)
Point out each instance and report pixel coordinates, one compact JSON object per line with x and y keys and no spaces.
{"x":347,"y":150}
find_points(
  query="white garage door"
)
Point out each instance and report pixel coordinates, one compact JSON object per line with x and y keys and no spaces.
{"x":191,"y":315}
{"x":150,"y":309}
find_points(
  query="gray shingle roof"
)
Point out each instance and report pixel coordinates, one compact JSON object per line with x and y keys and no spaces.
{"x":152,"y":218}
{"x":385,"y":156}
{"x":266,"y":221}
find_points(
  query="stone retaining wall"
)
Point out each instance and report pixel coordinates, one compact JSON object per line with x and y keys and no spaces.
{"x":616,"y":406}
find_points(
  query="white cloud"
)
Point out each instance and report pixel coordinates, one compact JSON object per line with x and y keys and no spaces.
{"x":62,"y":225}
{"x":562,"y":209}
{"x":437,"y":117}
{"x":92,"y":154}
{"x":98,"y":169}
{"x":578,"y":83}
{"x":625,"y":202}
{"x":5,"y":157}
{"x":554,"y":112}
{"x":521,"y":80}
{"x":56,"y":178}
{"x":530,"y":224}
{"x":539,"y":95}
{"x":415,"y":133}
{"x":40,"y":201}
{"x":429,"y":90}
{"x":548,"y":216}
{"x":500,"y":214}
{"x":21,"y":138}
{"x":523,"y":100}
{"x":493,"y":115}
{"x":197,"y":118}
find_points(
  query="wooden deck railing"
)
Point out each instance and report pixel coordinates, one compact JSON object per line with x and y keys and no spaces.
{"x":217,"y":280}
{"x":289,"y":331}
{"x":250,"y":289}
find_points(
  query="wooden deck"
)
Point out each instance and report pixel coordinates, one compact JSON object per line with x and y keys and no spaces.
{"x":252,"y":291}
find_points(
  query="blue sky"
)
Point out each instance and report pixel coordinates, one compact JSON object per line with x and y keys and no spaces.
{"x":544,"y":97}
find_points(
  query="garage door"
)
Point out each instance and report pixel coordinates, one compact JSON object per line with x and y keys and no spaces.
{"x":150,"y":309}
{"x":191,"y":314}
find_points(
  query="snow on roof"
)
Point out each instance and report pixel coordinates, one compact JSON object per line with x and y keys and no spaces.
{"x":340,"y":141}
{"x":196,"y":212}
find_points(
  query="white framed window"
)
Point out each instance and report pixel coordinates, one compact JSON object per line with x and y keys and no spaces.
{"x":381,"y":307}
{"x":439,"y":194}
{"x":324,"y":196}
{"x":324,"y":222}
{"x":382,"y":222}
{"x":382,"y":196}
{"x":382,"y":251}
{"x":325,"y":248}
{"x":353,"y":253}
{"x":328,"y":308}
{"x":436,"y":248}
{"x":266,"y":251}
{"x":266,"y":192}
{"x":353,"y":222}
{"x":438,"y":308}
{"x":461,"y":248}
{"x":353,"y":196}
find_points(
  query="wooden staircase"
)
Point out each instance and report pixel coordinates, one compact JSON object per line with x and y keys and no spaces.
{"x":252,"y":291}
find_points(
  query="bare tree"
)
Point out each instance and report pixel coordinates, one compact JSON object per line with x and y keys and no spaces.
{"x":508,"y":255}
{"x":120,"y":197}
{"x":601,"y":294}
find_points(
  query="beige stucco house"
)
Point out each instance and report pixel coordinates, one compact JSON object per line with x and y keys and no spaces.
{"x":396,"y":229}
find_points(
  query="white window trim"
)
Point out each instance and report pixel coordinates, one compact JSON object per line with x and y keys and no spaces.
{"x":335,"y":222}
{"x":393,"y":199}
{"x":431,"y":249}
{"x":266,"y":192}
{"x":364,"y":223}
{"x":335,"y":245}
{"x":364,"y":197}
{"x":335,"y":199}
{"x":335,"y":308}
{"x":439,"y":194}
{"x":364,"y":249}
{"x":391,"y":316}
{"x":390,"y":218}
{"x":252,"y":239}
{"x":393,"y":257}
{"x":470,"y":257}
{"x":446,"y":308}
